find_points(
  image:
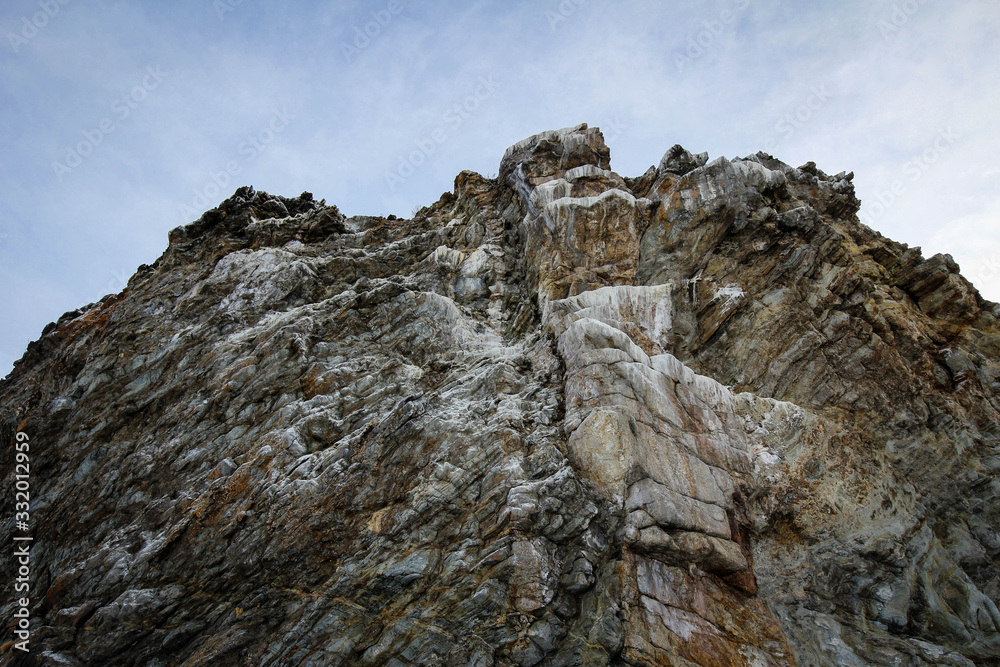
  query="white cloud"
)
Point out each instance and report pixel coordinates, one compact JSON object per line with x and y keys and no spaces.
{"x":606,"y":63}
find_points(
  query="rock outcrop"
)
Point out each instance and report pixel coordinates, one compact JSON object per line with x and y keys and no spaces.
{"x":560,"y":417}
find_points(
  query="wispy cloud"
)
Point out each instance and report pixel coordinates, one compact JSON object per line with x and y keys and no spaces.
{"x":602,"y":62}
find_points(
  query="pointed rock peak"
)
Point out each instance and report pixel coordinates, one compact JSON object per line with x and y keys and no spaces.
{"x":246,"y":205}
{"x":680,"y":161}
{"x":549,"y":154}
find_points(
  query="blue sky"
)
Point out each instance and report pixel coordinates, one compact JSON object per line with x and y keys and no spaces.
{"x":118,"y":119}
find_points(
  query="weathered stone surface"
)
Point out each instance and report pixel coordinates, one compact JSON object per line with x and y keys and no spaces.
{"x":561,"y":417}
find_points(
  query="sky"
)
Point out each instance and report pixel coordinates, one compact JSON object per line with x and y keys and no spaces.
{"x":122,"y":119}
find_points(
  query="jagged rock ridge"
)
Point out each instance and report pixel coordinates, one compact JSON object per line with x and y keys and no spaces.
{"x":561,"y":417}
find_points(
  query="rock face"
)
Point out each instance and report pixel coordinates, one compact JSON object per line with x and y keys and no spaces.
{"x":562,"y":417}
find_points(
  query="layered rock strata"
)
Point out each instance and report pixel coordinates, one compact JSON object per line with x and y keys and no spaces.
{"x":560,"y":417}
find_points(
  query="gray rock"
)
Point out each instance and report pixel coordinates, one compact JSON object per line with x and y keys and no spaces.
{"x":559,"y":417}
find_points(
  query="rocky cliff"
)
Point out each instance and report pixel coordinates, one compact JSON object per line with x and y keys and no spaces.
{"x":560,"y":417}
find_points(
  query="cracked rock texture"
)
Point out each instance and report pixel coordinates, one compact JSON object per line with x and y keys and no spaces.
{"x":560,"y":417}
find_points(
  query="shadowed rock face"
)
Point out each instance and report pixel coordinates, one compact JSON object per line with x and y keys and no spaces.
{"x":698,"y":417}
